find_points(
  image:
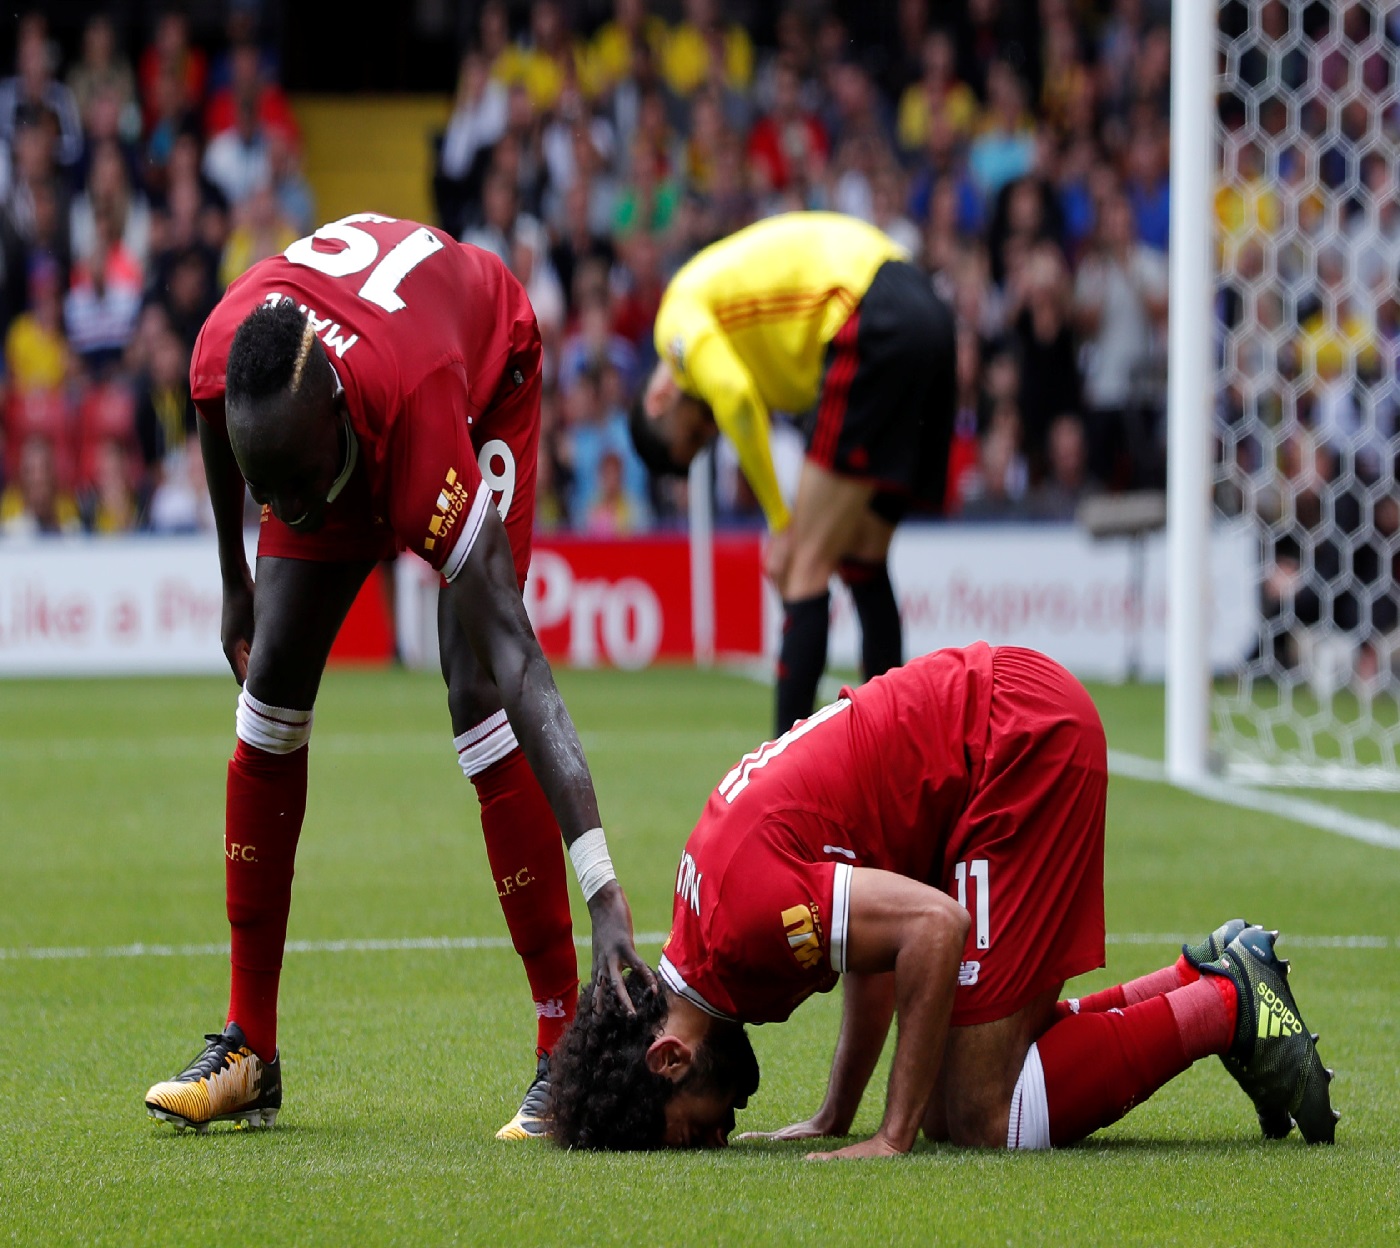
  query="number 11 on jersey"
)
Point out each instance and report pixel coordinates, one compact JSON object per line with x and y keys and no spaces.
{"x":977,"y":868}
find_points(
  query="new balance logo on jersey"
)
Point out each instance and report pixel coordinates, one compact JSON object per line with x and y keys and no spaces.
{"x":1275,"y":1018}
{"x":969,"y":971}
{"x":452,"y":501}
{"x":802,"y":936}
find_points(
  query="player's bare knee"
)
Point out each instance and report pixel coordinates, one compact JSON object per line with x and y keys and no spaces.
{"x":471,"y":698}
{"x":935,"y":1124}
{"x":978,"y":1121}
{"x":809,"y":572}
{"x":280,"y":676}
{"x":869,"y":542}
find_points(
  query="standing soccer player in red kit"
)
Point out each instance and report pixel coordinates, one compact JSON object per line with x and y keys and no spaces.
{"x":936,"y":837}
{"x":377,"y":387}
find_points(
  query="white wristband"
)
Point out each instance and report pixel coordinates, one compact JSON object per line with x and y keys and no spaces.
{"x":592,"y":864}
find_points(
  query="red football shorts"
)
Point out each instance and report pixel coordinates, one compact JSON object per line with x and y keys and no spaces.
{"x":506,"y":439}
{"x":1026,"y":859}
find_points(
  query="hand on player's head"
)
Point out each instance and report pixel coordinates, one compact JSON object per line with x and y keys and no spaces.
{"x":602,"y":1092}
{"x":610,"y":1090}
{"x":284,"y":422}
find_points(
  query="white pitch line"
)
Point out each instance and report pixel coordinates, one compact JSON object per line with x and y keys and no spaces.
{"x":1299,"y":942}
{"x":1296,"y":809}
{"x":220,"y":949}
{"x":338,"y":744}
{"x":74,"y":953}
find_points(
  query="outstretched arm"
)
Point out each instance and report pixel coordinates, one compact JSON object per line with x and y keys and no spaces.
{"x":897,"y":924}
{"x":486,"y":600}
{"x":865,"y":1022}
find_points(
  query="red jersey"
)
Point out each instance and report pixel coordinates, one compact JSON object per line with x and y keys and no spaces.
{"x":880,"y":778}
{"x":427,"y":337}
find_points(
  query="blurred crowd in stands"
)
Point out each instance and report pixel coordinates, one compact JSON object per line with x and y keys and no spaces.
{"x":131,"y":194}
{"x":1017,"y":148}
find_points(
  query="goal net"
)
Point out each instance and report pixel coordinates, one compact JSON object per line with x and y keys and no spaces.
{"x":1307,"y":339}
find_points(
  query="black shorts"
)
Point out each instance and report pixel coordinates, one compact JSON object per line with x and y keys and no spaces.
{"x":885,"y":413}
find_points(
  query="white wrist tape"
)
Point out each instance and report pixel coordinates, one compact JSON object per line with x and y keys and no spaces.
{"x":591,"y":862}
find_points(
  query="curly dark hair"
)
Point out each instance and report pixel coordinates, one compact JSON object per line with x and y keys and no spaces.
{"x":603,"y":1094}
{"x":264,"y":354}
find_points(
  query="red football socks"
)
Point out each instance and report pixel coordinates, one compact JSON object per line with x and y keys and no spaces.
{"x":526,"y":853}
{"x":1168,"y":979}
{"x":1097,"y":1066}
{"x":266,"y":805}
{"x":1206,"y":1023}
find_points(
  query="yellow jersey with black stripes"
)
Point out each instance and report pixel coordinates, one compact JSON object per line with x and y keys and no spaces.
{"x":744,"y":325}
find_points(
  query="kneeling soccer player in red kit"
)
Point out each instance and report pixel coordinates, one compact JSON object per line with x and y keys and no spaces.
{"x":377,"y":387}
{"x":936,"y":839}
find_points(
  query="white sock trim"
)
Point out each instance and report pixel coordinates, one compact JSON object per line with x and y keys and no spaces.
{"x":275,"y":729}
{"x":487,"y":743}
{"x":592,"y":864}
{"x":1029,"y":1124}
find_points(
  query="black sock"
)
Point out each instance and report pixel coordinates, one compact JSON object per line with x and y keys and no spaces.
{"x":801,"y":658}
{"x":881,"y":635}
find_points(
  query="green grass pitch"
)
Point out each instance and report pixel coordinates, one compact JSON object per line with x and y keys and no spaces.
{"x":400,"y":1064}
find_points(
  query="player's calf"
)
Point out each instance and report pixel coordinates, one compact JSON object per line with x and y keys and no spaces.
{"x":801,"y":658}
{"x":877,"y":609}
{"x":266,"y":802}
{"x":525,"y":850}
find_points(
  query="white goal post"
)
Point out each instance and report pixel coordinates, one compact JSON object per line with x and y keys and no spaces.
{"x":1283,"y":347}
{"x":1189,"y":386}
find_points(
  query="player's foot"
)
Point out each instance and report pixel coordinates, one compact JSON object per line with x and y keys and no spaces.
{"x":1215,"y":944}
{"x":1275,"y":1125}
{"x":1273,"y":1057}
{"x":532,"y":1120}
{"x":228,"y":1082}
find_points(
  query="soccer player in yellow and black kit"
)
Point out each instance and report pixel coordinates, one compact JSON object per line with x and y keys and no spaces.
{"x":816,"y":313}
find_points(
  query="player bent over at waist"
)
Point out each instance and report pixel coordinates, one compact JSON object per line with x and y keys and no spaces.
{"x":377,"y":387}
{"x":820,"y":313}
{"x":934,"y":838}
